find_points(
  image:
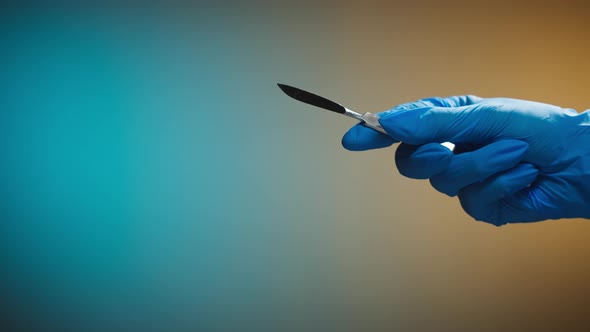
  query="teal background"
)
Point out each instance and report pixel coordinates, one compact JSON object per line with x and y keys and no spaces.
{"x":154,"y":178}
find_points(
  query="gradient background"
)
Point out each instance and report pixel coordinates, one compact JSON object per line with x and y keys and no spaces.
{"x":154,"y":178}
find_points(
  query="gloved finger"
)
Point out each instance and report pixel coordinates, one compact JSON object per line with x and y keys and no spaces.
{"x":465,"y":124}
{"x":475,"y":166}
{"x":360,"y":138}
{"x":422,"y":161}
{"x":498,"y":186}
{"x":487,"y":200}
{"x":546,"y":198}
{"x":453,"y":101}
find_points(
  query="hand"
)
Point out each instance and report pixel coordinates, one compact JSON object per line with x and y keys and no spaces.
{"x":514,"y":161}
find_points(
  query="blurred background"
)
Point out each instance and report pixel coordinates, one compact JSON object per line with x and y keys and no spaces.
{"x":154,"y":178}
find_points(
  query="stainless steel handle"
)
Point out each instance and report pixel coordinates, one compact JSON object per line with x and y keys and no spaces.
{"x":372,"y":121}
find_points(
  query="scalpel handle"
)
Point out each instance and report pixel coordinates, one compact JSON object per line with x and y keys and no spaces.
{"x":372,"y":121}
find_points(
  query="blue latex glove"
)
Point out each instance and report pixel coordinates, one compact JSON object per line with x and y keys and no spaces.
{"x":515,"y":160}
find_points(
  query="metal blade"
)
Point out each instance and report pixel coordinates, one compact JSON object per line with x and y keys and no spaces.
{"x":312,"y":99}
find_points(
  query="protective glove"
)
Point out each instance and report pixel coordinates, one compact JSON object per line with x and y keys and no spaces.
{"x":514,"y":161}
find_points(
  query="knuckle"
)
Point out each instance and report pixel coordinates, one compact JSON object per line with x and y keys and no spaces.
{"x":443,"y":185}
{"x":482,"y":212}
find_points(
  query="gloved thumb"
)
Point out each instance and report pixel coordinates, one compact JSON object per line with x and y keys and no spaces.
{"x":360,"y":138}
{"x":464,"y":124}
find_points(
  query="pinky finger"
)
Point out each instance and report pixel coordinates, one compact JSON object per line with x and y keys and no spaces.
{"x":478,"y":199}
